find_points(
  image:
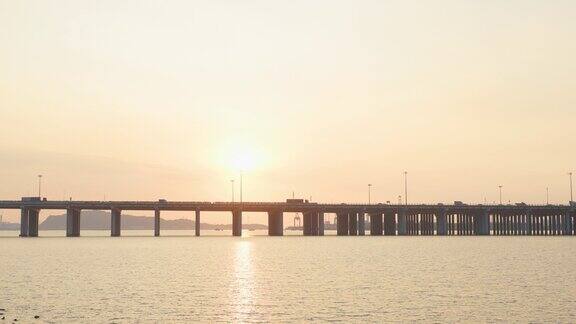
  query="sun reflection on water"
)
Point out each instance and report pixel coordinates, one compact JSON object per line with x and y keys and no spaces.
{"x":243,"y":285}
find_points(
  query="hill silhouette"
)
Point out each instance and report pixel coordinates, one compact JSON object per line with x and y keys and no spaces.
{"x":100,"y":220}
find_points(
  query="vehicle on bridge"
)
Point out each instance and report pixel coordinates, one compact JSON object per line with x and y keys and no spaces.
{"x":296,"y":201}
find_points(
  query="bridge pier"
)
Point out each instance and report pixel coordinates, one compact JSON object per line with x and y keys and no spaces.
{"x":538,"y":223}
{"x":429,"y":223}
{"x":566,"y":228}
{"x":73,"y":222}
{"x":529,"y":223}
{"x":353,"y":223}
{"x":23,"y":222}
{"x":116,"y":222}
{"x":310,"y":226}
{"x":361,"y":224}
{"x":342,"y":223}
{"x":423,"y":223}
{"x":442,"y":223}
{"x":375,"y":224}
{"x":541,"y":224}
{"x":569,"y":223}
{"x":495,"y":224}
{"x":197,"y":222}
{"x":321,"y":223}
{"x":409,"y":224}
{"x":307,"y":224}
{"x":237,"y":222}
{"x":402,"y":230}
{"x":29,"y":222}
{"x":314,"y":224}
{"x":157,"y":222}
{"x":389,"y":223}
{"x":275,"y":223}
{"x":482,"y":223}
{"x":33,"y":215}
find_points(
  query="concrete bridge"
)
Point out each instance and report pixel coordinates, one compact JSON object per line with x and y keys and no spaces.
{"x":385,"y":219}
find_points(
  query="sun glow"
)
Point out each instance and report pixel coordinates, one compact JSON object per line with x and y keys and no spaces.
{"x":238,"y":156}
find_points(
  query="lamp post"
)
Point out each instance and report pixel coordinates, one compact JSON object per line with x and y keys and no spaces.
{"x":571,"y":196}
{"x":406,"y":188}
{"x":232,"y":185}
{"x":547,"y":196}
{"x":39,"y":185}
{"x":500,"y":188}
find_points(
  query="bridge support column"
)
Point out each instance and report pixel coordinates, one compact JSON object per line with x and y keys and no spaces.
{"x":361,"y":224}
{"x":494,"y":223}
{"x":389,"y":223}
{"x":555,"y":224}
{"x":73,"y":222}
{"x":237,"y":223}
{"x":441,"y":221}
{"x":321,"y":223}
{"x":314,"y":224}
{"x":566,"y":228}
{"x":116,"y":222}
{"x":342,"y":223}
{"x":353,"y":223}
{"x":571,"y":222}
{"x":539,"y":226}
{"x":430,"y":224}
{"x":24,"y":222}
{"x":529,"y":223}
{"x":402,"y":222}
{"x":376,"y":224}
{"x":33,"y":222}
{"x":157,"y":222}
{"x":310,"y":226}
{"x":275,"y":223}
{"x":483,"y":222}
{"x":197,"y":222}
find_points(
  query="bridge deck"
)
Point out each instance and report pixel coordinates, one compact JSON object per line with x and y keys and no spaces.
{"x":264,"y":206}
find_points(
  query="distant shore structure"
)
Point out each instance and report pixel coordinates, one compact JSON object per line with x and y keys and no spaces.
{"x":385,"y":219}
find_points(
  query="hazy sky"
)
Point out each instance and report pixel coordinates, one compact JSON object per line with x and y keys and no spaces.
{"x":158,"y":99}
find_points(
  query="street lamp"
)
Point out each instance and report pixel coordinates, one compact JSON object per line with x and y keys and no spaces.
{"x":547,"y":196}
{"x":369,"y":187}
{"x":571,"y":196}
{"x":39,"y":185}
{"x":232,"y":185}
{"x":406,"y":188}
{"x":500,"y":188}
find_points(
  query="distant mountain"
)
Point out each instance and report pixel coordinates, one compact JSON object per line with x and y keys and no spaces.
{"x":4,"y":226}
{"x":100,"y":220}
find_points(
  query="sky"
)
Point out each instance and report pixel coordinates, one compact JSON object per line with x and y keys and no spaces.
{"x":141,"y":100}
